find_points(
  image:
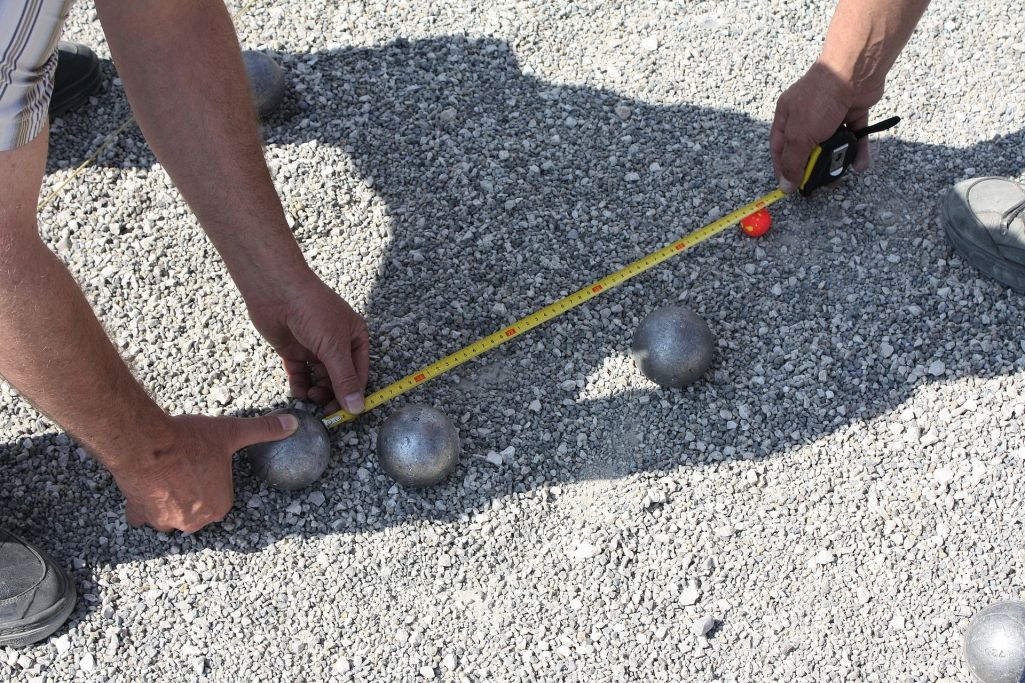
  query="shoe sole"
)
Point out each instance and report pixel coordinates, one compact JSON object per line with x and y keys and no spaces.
{"x":47,"y":624}
{"x":86,"y":86}
{"x":979,"y":258}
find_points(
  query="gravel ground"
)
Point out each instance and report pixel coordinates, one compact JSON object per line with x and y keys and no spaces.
{"x":833,"y":504}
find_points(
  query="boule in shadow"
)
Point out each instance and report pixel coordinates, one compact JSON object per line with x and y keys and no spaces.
{"x":266,"y":81}
{"x":297,"y":460}
{"x":673,"y":346}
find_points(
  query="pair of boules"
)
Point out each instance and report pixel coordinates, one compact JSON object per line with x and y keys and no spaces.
{"x":417,"y":447}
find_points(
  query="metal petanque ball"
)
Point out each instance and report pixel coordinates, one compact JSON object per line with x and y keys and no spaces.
{"x":673,"y":346}
{"x":266,"y":81}
{"x":295,"y":461}
{"x":994,"y":644}
{"x":418,"y":446}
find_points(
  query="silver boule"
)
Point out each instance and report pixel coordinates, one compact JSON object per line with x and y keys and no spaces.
{"x":673,"y":346}
{"x":295,"y":461}
{"x":994,"y":644}
{"x":418,"y":446}
{"x":266,"y":81}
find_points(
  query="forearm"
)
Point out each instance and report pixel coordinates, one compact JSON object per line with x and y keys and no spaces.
{"x":866,"y":36}
{"x":52,"y":348}
{"x":183,"y":72}
{"x":55,"y":352}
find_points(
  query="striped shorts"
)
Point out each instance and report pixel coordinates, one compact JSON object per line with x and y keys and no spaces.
{"x":29,"y":30}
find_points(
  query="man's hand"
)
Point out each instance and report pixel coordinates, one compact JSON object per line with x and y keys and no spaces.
{"x":862,"y":43}
{"x":808,"y":113}
{"x":186,"y":484}
{"x":323,"y":343}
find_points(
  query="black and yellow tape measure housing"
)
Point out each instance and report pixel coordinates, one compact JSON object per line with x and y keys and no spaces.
{"x":832,"y":159}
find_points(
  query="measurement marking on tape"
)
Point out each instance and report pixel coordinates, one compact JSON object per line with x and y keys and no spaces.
{"x":556,"y":308}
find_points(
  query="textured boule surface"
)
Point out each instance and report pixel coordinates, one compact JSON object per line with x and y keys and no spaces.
{"x":296,"y":461}
{"x":673,"y":346}
{"x":994,"y":643}
{"x":418,"y":446}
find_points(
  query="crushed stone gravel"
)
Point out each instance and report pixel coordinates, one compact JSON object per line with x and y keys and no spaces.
{"x":833,"y":502}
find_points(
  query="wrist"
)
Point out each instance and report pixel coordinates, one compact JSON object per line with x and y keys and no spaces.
{"x":829,"y":84}
{"x":261,"y":271}
{"x":850,"y":51}
{"x":279,"y":285}
{"x":138,"y":449}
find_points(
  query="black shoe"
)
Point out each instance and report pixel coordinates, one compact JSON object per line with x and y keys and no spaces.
{"x":77,"y":77}
{"x":985,"y":222}
{"x":36,"y":596}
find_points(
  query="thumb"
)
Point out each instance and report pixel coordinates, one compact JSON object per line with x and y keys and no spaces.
{"x":864,"y":158}
{"x":776,"y":139}
{"x":794,"y":159}
{"x":246,"y":431}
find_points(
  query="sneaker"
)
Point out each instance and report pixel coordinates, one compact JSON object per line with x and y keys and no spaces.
{"x":984,"y":219}
{"x":77,"y":77}
{"x":36,"y":596}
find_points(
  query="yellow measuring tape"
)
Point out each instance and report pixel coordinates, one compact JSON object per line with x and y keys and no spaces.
{"x":521,"y":326}
{"x":553,"y":310}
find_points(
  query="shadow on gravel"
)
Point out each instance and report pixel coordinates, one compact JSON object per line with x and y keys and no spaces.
{"x":502,"y":188}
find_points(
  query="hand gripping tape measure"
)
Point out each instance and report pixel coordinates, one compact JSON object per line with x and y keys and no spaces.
{"x":829,"y":162}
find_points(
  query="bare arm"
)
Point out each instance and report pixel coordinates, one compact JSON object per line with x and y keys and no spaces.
{"x":866,"y":36}
{"x":183,"y":72}
{"x":862,"y":43}
{"x":52,"y":348}
{"x":175,"y":472}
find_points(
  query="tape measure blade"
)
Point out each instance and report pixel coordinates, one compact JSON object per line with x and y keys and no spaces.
{"x":556,"y":308}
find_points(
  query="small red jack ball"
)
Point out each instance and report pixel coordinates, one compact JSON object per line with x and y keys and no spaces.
{"x":757,"y":224}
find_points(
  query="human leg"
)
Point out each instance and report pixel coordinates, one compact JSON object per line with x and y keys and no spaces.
{"x":36,"y":594}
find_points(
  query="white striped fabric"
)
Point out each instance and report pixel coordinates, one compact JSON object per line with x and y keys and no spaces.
{"x":29,"y":30}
